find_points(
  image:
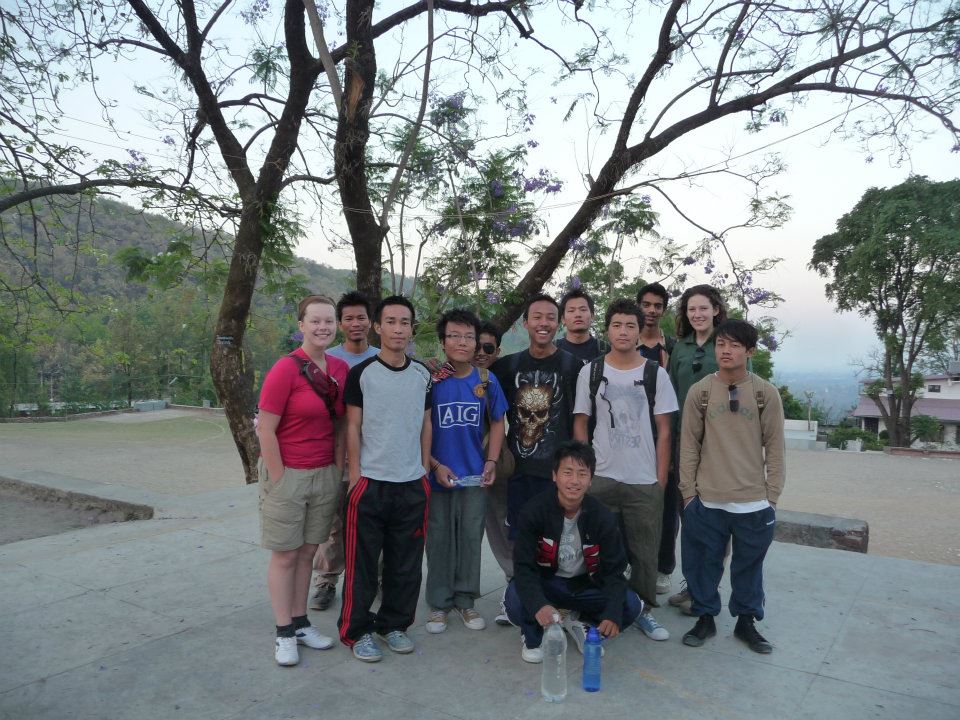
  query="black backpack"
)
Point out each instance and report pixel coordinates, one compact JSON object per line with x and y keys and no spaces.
{"x":650,"y":370}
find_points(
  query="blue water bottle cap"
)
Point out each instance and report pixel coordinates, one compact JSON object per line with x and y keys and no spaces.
{"x":593,"y":635}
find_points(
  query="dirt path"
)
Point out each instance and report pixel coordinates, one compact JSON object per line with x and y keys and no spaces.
{"x":912,"y":504}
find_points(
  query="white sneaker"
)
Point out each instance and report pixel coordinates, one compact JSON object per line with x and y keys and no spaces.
{"x":576,"y":630}
{"x":437,"y":622}
{"x":311,"y":637}
{"x":471,"y":618}
{"x":650,"y":627}
{"x":663,"y":583}
{"x":531,"y":655}
{"x":286,"y":652}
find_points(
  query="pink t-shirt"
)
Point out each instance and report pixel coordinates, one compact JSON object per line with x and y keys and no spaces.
{"x":305,"y":431}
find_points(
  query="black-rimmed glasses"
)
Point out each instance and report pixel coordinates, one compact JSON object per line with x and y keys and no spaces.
{"x":732,"y":393}
{"x":488,"y":348}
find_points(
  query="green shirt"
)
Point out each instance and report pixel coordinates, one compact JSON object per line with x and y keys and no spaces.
{"x":680,"y":367}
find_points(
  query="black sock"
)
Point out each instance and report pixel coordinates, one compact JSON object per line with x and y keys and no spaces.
{"x":285,"y":630}
{"x":300,"y":622}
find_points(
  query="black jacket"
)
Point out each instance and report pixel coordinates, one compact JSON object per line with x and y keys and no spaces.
{"x":538,"y":538}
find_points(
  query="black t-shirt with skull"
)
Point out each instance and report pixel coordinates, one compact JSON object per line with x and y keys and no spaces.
{"x":541,"y":394}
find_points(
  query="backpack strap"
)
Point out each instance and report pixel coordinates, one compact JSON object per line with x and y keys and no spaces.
{"x":650,"y":370}
{"x":484,"y":387}
{"x":761,"y":398}
{"x":596,"y":378}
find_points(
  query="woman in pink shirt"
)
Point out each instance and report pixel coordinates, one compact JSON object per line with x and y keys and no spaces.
{"x":301,"y":465}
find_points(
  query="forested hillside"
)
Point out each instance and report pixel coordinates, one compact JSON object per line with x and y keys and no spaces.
{"x":135,"y":319}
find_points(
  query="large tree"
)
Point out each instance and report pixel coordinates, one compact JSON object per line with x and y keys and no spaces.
{"x":895,"y":258}
{"x":239,"y":151}
{"x":240,"y":157}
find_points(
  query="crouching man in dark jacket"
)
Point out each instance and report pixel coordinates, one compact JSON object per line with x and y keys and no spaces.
{"x":569,"y":554}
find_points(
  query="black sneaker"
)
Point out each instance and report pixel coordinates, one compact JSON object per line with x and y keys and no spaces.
{"x":746,"y":631}
{"x":323,"y":597}
{"x":705,"y":628}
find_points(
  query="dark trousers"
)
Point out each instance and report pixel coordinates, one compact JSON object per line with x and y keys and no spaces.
{"x":670,"y":525}
{"x":520,"y":488}
{"x":705,"y":535}
{"x":390,"y":518}
{"x":561,"y":593}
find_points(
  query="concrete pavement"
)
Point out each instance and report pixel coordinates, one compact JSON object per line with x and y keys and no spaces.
{"x":169,"y":618}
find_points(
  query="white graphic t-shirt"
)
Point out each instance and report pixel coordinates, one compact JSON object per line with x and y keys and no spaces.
{"x":570,"y":553}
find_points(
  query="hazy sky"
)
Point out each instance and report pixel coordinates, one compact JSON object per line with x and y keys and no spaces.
{"x":825,"y":176}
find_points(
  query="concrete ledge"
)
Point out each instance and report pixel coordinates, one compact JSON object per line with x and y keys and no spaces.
{"x":920,"y":452}
{"x":822,"y":531}
{"x":104,"y":510}
{"x":64,"y":418}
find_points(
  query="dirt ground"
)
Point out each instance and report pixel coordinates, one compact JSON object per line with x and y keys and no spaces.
{"x":25,"y":518}
{"x":912,"y":504}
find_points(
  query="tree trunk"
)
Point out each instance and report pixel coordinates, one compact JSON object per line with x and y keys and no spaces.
{"x":232,"y":376}
{"x":353,"y":131}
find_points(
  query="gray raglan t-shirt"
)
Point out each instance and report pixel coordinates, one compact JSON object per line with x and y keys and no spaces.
{"x":393,"y":402}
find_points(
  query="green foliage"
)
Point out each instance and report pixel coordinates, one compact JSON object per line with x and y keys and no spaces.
{"x":141,"y":316}
{"x":925,"y":428}
{"x":840,"y":436}
{"x":796,"y":409}
{"x":896,"y":259}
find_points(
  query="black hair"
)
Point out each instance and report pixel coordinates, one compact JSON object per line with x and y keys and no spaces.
{"x":577,"y":450}
{"x":394,"y":300}
{"x":622,"y":306}
{"x":573,"y":295}
{"x":654,"y":289}
{"x":712,"y":294}
{"x":739,"y":331}
{"x":351,"y":299}
{"x":540,"y":297}
{"x":461,"y":316}
{"x":488,"y":328}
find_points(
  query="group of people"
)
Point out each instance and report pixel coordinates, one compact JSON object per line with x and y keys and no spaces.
{"x":578,"y":457}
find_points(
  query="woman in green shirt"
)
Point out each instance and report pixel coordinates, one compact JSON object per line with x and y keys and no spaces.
{"x":692,"y":358}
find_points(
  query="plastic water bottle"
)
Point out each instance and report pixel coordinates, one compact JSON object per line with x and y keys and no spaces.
{"x":591,"y":661}
{"x":553,"y":684}
{"x":468,"y":481}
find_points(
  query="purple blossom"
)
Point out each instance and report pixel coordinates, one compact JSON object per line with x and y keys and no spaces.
{"x":575,"y":282}
{"x":553,"y":100}
{"x":740,"y":36}
{"x":542,"y":181}
{"x":755,"y":296}
{"x":955,"y":148}
{"x":138,"y":161}
{"x":532,"y":144}
{"x":516,"y":230}
{"x":689,"y":260}
{"x":577,"y":244}
{"x":770,"y":342}
{"x":168,"y":140}
{"x":297,"y":336}
{"x":475,"y":276}
{"x":881,"y":88}
{"x":493,"y":298}
{"x":646,"y":199}
{"x":709,"y":267}
{"x":496,"y":188}
{"x":498,"y":226}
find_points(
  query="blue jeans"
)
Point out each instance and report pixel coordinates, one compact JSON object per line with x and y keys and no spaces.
{"x":704,"y":536}
{"x":589,"y":602}
{"x":520,"y":488}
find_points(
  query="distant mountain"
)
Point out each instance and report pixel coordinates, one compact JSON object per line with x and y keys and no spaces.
{"x":835,"y":391}
{"x":115,"y":227}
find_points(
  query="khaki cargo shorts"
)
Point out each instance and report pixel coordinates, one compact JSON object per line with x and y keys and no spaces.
{"x":299,"y":508}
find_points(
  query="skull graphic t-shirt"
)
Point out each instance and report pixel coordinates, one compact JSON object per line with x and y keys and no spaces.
{"x":541,"y":394}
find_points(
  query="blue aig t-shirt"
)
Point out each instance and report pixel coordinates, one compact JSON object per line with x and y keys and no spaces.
{"x":458,"y":418}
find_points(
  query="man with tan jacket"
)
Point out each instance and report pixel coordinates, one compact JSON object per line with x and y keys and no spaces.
{"x":731,"y":476}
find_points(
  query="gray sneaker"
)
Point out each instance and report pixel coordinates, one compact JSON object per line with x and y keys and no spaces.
{"x":323,"y":597}
{"x":398,"y":641}
{"x":366,"y":649}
